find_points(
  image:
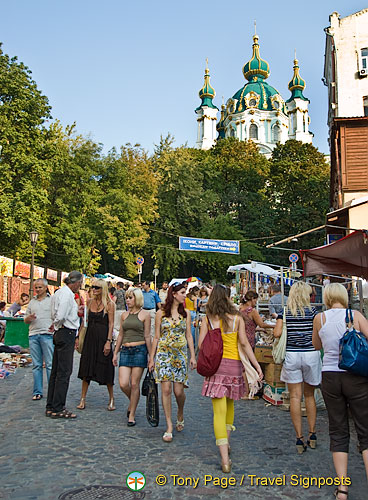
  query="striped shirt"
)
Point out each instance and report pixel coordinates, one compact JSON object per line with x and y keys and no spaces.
{"x":299,"y":330}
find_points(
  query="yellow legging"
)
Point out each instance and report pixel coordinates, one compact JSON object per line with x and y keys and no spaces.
{"x":223,"y":418}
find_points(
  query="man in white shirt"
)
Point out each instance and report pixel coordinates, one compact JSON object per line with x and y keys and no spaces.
{"x":38,"y":317}
{"x":64,"y":312}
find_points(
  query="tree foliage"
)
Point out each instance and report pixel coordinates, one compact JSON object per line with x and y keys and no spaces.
{"x":98,"y":212}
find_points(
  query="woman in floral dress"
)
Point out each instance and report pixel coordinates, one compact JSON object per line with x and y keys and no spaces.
{"x":172,"y":338}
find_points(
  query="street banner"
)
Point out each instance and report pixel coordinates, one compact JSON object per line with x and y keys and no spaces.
{"x":22,"y":269}
{"x":204,"y":245}
{"x":38,"y":272}
{"x":51,"y":274}
{"x":6,"y":266}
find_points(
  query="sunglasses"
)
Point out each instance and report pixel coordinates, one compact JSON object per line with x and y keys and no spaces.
{"x":95,"y":287}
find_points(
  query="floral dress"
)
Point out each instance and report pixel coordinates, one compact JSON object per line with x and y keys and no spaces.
{"x":171,"y":356}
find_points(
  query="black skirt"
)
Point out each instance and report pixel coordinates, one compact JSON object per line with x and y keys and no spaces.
{"x":94,"y":365}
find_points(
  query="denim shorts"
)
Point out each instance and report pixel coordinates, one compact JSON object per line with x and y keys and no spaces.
{"x":134,"y":356}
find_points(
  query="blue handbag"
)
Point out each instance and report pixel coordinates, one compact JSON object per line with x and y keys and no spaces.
{"x":353,"y":349}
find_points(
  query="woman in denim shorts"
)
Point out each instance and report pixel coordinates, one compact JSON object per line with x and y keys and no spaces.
{"x":135,"y":342}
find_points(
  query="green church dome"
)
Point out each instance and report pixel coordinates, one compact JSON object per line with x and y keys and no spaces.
{"x":256,"y":66}
{"x":296,"y":84}
{"x":257,"y":94}
{"x":207,"y":92}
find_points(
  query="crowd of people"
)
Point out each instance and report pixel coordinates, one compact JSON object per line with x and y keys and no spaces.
{"x":134,"y":327}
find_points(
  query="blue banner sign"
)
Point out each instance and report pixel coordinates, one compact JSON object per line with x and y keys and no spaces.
{"x":205,"y":245}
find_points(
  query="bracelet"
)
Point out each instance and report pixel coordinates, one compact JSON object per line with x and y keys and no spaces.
{"x":109,"y":340}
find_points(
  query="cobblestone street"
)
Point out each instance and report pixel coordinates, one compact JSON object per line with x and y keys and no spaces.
{"x":42,"y":458}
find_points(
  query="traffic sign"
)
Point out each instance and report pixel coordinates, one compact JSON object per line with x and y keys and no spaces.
{"x":293,"y":257}
{"x":155,"y":272}
{"x":140,"y":261}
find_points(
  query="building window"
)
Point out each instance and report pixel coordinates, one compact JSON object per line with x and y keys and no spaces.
{"x":252,"y":102}
{"x":364,"y":58}
{"x":276,"y":133}
{"x":253,"y":132}
{"x":232,"y":132}
{"x":303,"y":123}
{"x":365,"y":105}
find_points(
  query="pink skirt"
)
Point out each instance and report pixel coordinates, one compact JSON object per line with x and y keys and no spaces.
{"x":227,"y":381}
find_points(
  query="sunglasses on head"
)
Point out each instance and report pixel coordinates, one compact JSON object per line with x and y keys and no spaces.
{"x":95,"y":287}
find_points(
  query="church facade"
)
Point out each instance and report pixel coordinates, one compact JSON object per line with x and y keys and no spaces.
{"x":257,"y":111}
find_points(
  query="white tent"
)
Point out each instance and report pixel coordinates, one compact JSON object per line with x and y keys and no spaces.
{"x":255,"y":268}
{"x":113,"y":277}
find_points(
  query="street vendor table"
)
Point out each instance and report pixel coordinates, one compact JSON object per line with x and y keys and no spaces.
{"x":16,"y":332}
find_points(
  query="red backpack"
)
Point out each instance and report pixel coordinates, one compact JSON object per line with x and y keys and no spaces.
{"x":210,"y":354}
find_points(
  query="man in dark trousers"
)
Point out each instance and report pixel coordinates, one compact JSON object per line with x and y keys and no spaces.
{"x":64,"y":313}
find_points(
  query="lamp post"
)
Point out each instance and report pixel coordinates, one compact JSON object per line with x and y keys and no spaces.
{"x":34,"y":237}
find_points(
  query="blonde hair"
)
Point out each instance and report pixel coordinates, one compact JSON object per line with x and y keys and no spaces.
{"x":105,"y":297}
{"x":138,"y":296}
{"x":299,"y":298}
{"x":335,"y":292}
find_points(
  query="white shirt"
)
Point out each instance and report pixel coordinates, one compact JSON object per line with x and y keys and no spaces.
{"x":42,"y":310}
{"x":333,"y":328}
{"x":64,"y":309}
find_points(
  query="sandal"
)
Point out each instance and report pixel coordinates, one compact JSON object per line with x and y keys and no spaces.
{"x":64,"y":414}
{"x":312,"y":441}
{"x":167,"y":437}
{"x":337,"y":492}
{"x":179,"y":425}
{"x":300,"y":445}
{"x":36,"y":397}
{"x":48,"y":413}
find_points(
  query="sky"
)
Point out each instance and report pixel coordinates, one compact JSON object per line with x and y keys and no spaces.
{"x":129,"y":72}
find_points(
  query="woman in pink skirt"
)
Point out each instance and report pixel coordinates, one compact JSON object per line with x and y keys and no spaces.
{"x":227,"y":384}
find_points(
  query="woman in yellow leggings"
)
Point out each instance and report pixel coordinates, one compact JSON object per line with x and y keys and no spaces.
{"x":227,"y":384}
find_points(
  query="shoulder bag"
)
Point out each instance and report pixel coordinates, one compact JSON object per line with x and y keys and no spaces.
{"x":353,"y":349}
{"x":210,"y":354}
{"x":279,"y":345}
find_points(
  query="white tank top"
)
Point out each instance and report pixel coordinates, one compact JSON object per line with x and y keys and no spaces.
{"x":333,"y":328}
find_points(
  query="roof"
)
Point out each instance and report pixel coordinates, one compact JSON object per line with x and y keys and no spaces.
{"x":346,"y":256}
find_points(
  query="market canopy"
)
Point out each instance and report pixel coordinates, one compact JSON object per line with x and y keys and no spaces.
{"x":254,"y":268}
{"x":346,"y":256}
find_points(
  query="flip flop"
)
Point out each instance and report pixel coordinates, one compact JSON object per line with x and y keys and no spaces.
{"x":179,"y":425}
{"x":36,"y":397}
{"x":64,"y":414}
{"x":167,"y":437}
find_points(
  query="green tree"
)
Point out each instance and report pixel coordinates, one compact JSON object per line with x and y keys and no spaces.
{"x":298,"y":189}
{"x":25,"y":172}
{"x":189,"y":204}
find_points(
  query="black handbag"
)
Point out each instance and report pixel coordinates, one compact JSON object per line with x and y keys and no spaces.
{"x":145,"y":384}
{"x":152,"y":403}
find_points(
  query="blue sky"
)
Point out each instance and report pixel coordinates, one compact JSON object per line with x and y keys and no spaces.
{"x":131,"y":71}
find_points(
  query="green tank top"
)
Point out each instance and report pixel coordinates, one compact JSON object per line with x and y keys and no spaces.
{"x":133,"y":329}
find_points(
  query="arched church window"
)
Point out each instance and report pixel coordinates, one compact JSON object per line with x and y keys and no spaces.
{"x":276,"y":133}
{"x":253,"y":131}
{"x":303,"y":123}
{"x":232,"y":132}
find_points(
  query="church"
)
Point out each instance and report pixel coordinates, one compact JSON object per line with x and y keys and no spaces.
{"x":257,"y":111}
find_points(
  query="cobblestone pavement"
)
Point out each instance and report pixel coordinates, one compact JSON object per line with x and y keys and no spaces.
{"x":41,"y":458}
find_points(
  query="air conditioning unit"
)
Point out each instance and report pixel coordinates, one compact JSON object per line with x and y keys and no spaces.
{"x":363,"y":72}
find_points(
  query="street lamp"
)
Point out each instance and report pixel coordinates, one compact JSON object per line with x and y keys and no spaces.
{"x":33,"y":237}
